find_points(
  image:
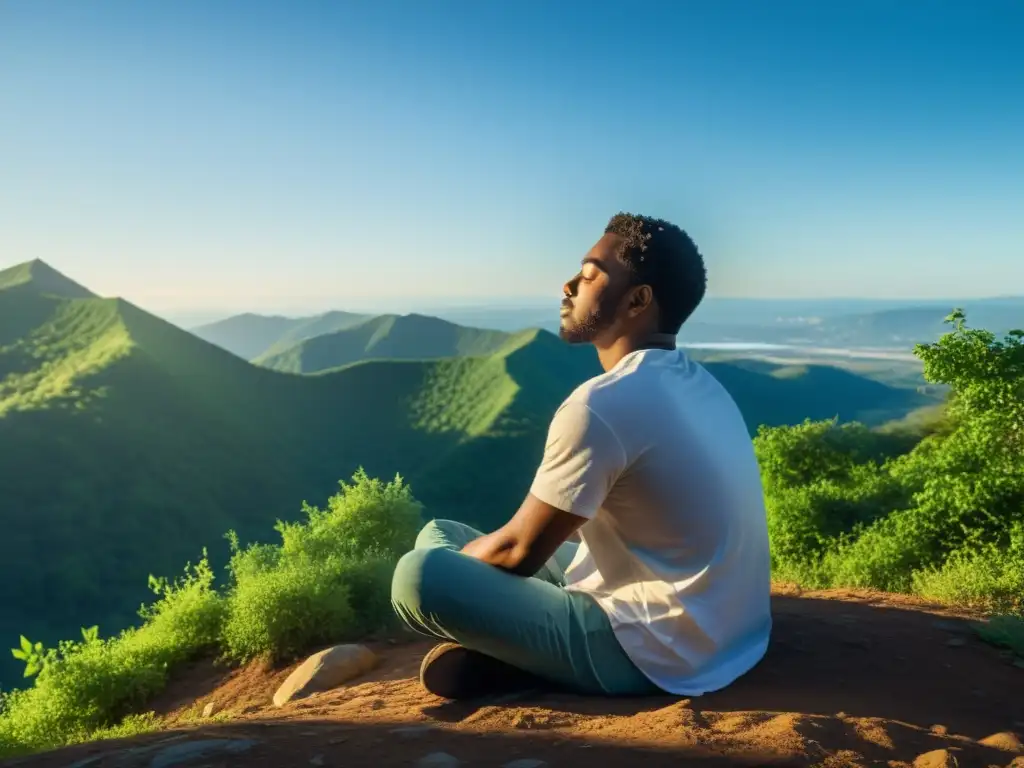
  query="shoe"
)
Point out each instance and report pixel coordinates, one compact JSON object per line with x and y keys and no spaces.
{"x":452,"y":671}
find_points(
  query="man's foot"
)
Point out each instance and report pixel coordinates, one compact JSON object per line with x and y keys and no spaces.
{"x":453,"y":672}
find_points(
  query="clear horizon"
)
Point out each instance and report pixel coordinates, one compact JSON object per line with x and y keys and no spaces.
{"x":202,"y":158}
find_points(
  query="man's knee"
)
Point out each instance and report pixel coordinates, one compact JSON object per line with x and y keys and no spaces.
{"x":418,"y":578}
{"x":437,"y":533}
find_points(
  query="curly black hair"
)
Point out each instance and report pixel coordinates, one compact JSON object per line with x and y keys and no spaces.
{"x":663,"y":256}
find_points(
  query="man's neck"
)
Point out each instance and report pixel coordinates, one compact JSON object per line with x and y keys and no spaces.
{"x":612,"y":354}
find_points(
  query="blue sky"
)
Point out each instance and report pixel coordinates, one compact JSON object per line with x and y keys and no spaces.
{"x":272,"y":156}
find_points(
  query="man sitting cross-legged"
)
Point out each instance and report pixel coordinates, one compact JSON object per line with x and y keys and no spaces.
{"x":651,"y":462}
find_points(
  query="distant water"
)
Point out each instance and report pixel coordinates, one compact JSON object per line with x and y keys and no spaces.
{"x":738,"y":346}
{"x":877,"y":353}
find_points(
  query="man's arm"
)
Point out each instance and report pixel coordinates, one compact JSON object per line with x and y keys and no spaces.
{"x":582,"y":460}
{"x":528,"y":540}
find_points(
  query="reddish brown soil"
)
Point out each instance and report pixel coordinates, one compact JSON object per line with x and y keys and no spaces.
{"x":851,"y":679}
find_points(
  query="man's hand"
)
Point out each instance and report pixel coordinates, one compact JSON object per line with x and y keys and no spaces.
{"x":487,"y":548}
{"x":528,"y":540}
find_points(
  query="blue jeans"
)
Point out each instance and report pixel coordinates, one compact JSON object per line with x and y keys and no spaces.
{"x":532,"y":623}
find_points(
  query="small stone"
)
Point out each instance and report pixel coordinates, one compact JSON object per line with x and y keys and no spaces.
{"x":338,"y":740}
{"x":209,"y":710}
{"x":325,"y":670}
{"x":526,"y":762}
{"x":937,"y":758}
{"x":948,"y":626}
{"x":956,"y":642}
{"x":438,"y":760}
{"x":1004,"y":740}
{"x":317,"y":760}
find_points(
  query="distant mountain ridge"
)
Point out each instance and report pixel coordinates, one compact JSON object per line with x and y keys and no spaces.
{"x":249,"y":335}
{"x":397,"y":337}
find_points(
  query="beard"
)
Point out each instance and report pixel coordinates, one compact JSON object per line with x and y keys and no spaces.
{"x":584,"y":330}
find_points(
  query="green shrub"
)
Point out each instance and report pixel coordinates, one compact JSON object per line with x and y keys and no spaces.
{"x":990,"y":579}
{"x":846,"y":510}
{"x":88,"y":686}
{"x":330,"y":577}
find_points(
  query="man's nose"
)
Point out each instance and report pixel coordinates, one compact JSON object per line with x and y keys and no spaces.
{"x":569,"y":288}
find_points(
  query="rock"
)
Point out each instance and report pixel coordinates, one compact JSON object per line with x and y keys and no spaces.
{"x":210,"y":710}
{"x":526,"y":762}
{"x":175,"y":755}
{"x":1004,"y":740}
{"x":325,"y":670}
{"x":938,"y":758}
{"x":438,"y":760}
{"x":956,"y":642}
{"x":317,"y":760}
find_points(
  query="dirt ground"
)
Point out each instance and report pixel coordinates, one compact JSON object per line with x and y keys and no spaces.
{"x":851,"y":679}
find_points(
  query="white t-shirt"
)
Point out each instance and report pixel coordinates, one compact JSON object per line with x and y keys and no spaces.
{"x":656,"y":456}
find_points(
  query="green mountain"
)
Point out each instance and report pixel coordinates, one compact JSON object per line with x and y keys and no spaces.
{"x":250,"y":336}
{"x":38,"y":277}
{"x":129,"y":444}
{"x":397,"y":337}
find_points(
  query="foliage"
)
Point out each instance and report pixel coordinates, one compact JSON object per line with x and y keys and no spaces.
{"x":944,"y":519}
{"x":87,"y":685}
{"x":328,"y":579}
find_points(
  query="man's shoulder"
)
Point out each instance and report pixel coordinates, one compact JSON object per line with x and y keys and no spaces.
{"x":605,"y":393}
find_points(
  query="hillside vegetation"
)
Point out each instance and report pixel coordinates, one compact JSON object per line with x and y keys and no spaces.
{"x":394,"y":337}
{"x":847,"y":506}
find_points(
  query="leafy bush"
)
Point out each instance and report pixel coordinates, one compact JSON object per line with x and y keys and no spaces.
{"x":990,"y":579}
{"x":328,"y":580}
{"x":86,"y":686}
{"x":330,"y":577}
{"x":848,"y":507}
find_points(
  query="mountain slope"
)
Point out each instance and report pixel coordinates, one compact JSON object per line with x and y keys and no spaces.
{"x":250,"y":336}
{"x":397,"y":337}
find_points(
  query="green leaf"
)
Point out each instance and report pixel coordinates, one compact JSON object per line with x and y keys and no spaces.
{"x":19,"y":654}
{"x":26,"y":646}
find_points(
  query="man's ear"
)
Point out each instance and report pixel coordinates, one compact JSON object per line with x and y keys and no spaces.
{"x":641,"y":299}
